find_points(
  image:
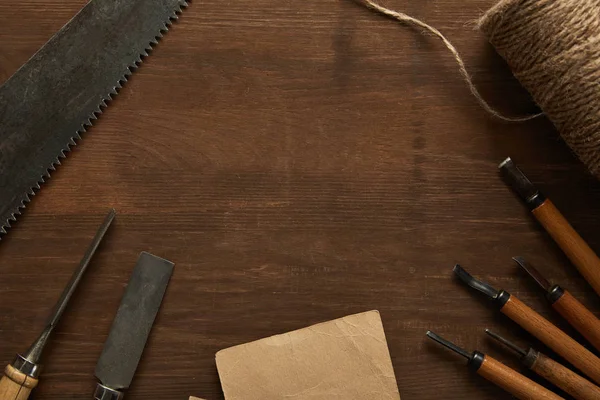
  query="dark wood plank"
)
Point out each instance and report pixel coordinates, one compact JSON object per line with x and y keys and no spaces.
{"x":298,"y":161}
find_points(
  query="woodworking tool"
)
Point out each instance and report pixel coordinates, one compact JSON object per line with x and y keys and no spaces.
{"x":537,"y":325}
{"x":572,"y":383}
{"x":22,"y":375}
{"x":576,"y":249}
{"x":499,"y":374}
{"x":56,"y":95}
{"x":568,"y":306}
{"x":131,"y":327}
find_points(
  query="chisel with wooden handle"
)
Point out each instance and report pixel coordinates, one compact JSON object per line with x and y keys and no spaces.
{"x":131,"y":327}
{"x":576,"y":249}
{"x":499,"y":374}
{"x":572,"y":383}
{"x":568,"y":306}
{"x":537,"y":325}
{"x":22,"y":375}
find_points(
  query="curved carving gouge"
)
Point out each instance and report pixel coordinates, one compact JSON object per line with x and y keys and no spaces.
{"x":573,"y":384}
{"x":499,"y":374}
{"x":131,"y":327}
{"x":537,"y":325}
{"x":22,"y":375}
{"x":578,"y":251}
{"x":568,"y":306}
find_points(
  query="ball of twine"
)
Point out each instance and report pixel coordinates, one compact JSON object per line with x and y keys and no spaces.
{"x":553,"y":49}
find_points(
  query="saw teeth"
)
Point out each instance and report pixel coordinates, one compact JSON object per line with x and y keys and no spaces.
{"x":12,"y":216}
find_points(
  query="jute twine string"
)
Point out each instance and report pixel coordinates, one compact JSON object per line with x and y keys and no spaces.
{"x":407,"y":19}
{"x":553,"y":49}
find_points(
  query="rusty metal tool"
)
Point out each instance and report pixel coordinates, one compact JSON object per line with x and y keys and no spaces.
{"x":572,"y":383}
{"x":537,"y":325}
{"x":573,"y":245}
{"x":499,"y":374}
{"x":58,"y":94}
{"x":568,"y":306}
{"x":131,"y":327}
{"x":22,"y":375}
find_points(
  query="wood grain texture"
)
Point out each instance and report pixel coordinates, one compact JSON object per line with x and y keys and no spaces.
{"x":15,"y":385}
{"x":567,"y":238}
{"x":553,"y":337}
{"x":510,"y":380}
{"x":572,"y":383}
{"x":579,"y":317}
{"x":299,"y":161}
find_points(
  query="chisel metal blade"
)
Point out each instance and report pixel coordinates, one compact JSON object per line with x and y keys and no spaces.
{"x":64,"y":87}
{"x":132,"y":324}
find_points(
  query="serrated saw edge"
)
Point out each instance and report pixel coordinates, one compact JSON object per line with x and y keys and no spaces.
{"x":87,"y":123}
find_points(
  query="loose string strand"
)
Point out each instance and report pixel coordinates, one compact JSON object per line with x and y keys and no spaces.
{"x":405,"y":18}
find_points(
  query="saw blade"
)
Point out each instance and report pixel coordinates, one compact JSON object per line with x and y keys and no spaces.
{"x":51,"y":100}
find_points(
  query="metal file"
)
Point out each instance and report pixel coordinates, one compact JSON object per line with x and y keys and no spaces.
{"x":131,"y":327}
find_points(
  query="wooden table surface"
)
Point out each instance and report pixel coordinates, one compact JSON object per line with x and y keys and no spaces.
{"x":299,"y":161}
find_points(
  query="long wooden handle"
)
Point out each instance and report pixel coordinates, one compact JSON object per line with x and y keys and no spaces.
{"x":553,"y":337}
{"x":513,"y":382}
{"x":578,"y":251}
{"x":15,"y":385}
{"x":579,"y":317}
{"x":575,"y":385}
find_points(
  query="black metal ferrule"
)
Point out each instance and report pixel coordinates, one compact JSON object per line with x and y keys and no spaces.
{"x":530,"y":358}
{"x":535,"y":201}
{"x":476,"y":361}
{"x":27,"y":367}
{"x":502,"y":298}
{"x":555,"y":293}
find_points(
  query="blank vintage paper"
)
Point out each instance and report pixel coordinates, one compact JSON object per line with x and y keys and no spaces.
{"x":344,"y":359}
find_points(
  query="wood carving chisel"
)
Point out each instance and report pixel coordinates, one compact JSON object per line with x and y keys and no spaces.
{"x":568,"y":306}
{"x":537,"y":325}
{"x":131,"y":327}
{"x":47,"y":105}
{"x":572,"y":383}
{"x":22,"y":375}
{"x":576,"y":249}
{"x":499,"y":374}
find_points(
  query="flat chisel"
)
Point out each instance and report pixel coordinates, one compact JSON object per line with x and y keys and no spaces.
{"x":578,"y":251}
{"x":22,"y":375}
{"x":568,"y":306}
{"x":572,"y":383}
{"x":131,"y":327}
{"x":537,"y":325}
{"x":499,"y":374}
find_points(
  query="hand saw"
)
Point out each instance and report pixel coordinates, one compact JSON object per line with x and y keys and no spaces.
{"x":51,"y":100}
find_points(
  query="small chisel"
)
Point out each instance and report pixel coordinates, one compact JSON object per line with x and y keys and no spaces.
{"x":499,"y":374}
{"x":537,"y":325}
{"x":573,"y":384}
{"x":568,"y":306}
{"x":578,"y":251}
{"x":22,"y":375}
{"x":131,"y":327}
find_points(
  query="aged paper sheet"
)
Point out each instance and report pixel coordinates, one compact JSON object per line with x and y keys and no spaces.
{"x":344,"y":359}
